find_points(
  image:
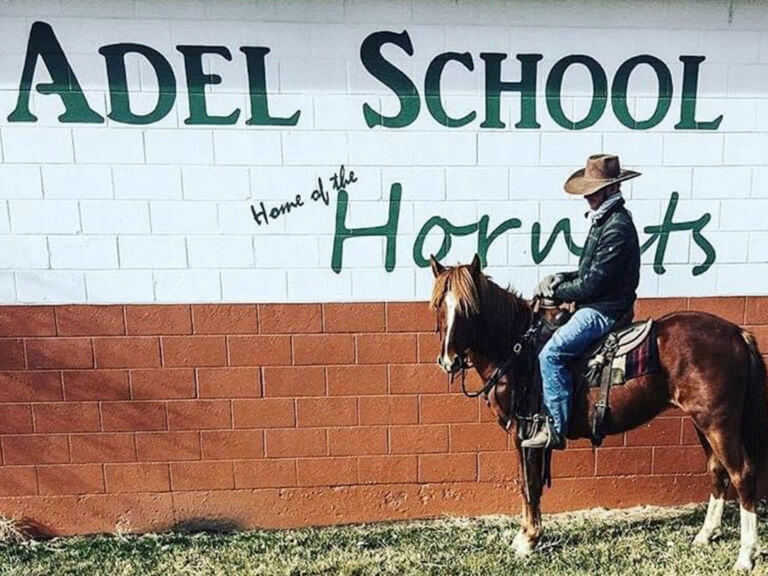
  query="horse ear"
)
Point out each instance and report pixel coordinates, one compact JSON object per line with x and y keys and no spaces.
{"x":476,"y":265}
{"x":437,"y":268}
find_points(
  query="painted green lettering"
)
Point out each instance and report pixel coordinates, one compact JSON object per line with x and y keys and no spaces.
{"x":539,"y":254}
{"x":690,"y":91}
{"x":119,"y":95}
{"x":197,"y":80}
{"x":599,"y":92}
{"x":619,"y":92}
{"x":388,"y":229}
{"x":449,"y":230}
{"x":44,"y":44}
{"x":257,"y":89}
{"x":660,"y":233}
{"x":494,"y":87}
{"x":392,"y":77}
{"x":484,"y":240}
{"x":432,"y":88}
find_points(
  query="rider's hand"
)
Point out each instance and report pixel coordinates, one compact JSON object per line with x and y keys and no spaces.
{"x":546,"y":287}
{"x":558,"y":279}
{"x":542,"y":288}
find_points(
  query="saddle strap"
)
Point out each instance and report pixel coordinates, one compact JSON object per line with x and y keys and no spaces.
{"x":601,"y":406}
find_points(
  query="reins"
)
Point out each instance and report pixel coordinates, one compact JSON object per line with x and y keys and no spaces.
{"x":513,"y":412}
{"x":517,"y":349}
{"x":519,"y":352}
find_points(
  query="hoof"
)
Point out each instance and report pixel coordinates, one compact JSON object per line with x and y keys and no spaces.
{"x":744,"y":563}
{"x":523,"y":549}
{"x":702,"y":539}
{"x":522,"y":545}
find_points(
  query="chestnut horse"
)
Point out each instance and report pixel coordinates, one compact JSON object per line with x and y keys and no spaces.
{"x":711,"y":369}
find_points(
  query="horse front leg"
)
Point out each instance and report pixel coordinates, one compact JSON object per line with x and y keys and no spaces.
{"x":531,"y":475}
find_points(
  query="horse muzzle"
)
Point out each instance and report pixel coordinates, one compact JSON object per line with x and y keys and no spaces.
{"x":453,"y":365}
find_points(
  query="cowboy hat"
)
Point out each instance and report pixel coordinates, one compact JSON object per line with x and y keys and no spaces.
{"x":602,"y":170}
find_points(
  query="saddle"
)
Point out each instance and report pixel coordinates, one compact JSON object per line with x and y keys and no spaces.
{"x":627,"y":351}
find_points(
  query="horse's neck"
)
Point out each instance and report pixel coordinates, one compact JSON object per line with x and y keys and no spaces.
{"x":505,"y":317}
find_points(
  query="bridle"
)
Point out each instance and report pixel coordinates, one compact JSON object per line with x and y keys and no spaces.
{"x":504,"y":367}
{"x":513,"y":363}
{"x":522,"y":342}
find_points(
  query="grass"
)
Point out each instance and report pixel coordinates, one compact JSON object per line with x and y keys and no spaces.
{"x":641,"y":541}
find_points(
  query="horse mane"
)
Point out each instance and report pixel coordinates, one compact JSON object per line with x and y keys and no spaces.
{"x":502,"y":313}
{"x":458,"y":281}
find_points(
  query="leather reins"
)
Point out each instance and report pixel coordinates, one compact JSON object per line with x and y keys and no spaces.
{"x":532,"y":333}
{"x":502,"y":369}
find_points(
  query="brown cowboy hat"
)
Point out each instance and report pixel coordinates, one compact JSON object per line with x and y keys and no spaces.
{"x":602,"y":170}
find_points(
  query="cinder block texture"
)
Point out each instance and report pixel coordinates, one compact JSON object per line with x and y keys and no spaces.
{"x":121,"y":404}
{"x":207,"y":201}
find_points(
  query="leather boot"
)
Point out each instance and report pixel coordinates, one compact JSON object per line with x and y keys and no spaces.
{"x":546,"y":437}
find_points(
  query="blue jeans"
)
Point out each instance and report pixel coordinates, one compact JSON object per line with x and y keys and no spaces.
{"x":568,"y":342}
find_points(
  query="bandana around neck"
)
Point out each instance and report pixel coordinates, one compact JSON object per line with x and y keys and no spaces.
{"x":595,"y":215}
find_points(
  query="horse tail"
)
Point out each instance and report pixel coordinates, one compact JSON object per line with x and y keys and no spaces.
{"x":755,"y":423}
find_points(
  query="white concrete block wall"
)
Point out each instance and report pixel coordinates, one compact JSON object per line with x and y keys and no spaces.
{"x":146,"y":182}
{"x":162,"y":212}
{"x":148,"y":252}
{"x":84,"y":252}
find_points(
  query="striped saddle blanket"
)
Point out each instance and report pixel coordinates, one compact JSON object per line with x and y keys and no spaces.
{"x":635,"y":354}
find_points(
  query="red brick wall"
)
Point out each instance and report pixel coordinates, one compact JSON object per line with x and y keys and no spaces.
{"x":284,"y":415}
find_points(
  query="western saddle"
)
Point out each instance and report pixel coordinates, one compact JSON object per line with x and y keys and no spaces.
{"x":604,"y":363}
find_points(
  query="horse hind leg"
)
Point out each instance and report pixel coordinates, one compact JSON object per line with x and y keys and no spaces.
{"x":745,"y":484}
{"x":742,"y":474}
{"x":719,"y":478}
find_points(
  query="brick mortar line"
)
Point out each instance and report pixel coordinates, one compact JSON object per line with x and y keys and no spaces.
{"x":363,"y":485}
{"x":356,"y":484}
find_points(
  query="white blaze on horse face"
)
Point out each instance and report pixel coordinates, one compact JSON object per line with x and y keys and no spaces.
{"x":451,"y":307}
{"x":712,"y":521}
{"x":748,"y":547}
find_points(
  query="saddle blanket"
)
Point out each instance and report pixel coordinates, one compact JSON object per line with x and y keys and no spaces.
{"x":641,"y":360}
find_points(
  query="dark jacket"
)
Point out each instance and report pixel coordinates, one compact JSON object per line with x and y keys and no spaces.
{"x":609,"y":266}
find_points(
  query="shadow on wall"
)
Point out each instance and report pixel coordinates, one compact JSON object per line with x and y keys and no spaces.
{"x":211,"y":525}
{"x":20,"y":530}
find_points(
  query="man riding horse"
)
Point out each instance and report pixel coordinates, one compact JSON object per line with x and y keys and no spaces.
{"x":603,"y":288}
{"x":710,"y":369}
